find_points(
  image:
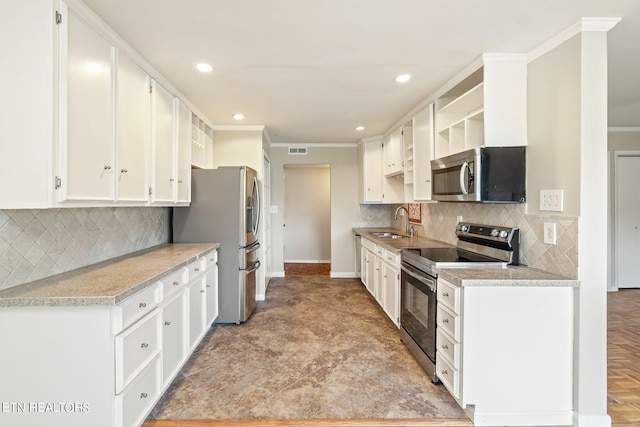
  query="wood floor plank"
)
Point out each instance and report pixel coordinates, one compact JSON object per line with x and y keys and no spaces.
{"x":382,"y":422}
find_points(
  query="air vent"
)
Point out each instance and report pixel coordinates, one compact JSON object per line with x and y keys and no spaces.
{"x":297,"y":151}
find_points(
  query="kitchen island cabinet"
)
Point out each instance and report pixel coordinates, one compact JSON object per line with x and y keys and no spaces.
{"x":505,"y":344}
{"x":101,"y":343}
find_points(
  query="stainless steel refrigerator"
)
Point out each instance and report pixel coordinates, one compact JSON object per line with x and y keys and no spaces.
{"x":225,"y":208}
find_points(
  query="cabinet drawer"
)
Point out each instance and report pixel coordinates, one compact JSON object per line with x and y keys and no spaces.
{"x":391,"y":257}
{"x":448,"y":321}
{"x":173,"y":282}
{"x":133,"y":405}
{"x":449,"y":295}
{"x":369,"y":245}
{"x":448,"y":348}
{"x":135,"y":347}
{"x":197,"y":267}
{"x":449,"y":376}
{"x":136,"y":306}
{"x":212,"y":258}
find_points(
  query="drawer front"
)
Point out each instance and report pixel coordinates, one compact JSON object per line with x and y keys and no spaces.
{"x":448,"y":348}
{"x":197,"y":267}
{"x":174,"y":281}
{"x":369,"y":245}
{"x":212,"y":258}
{"x":392,"y":258}
{"x":448,"y":321}
{"x":134,"y":404}
{"x":174,"y":336}
{"x":449,"y":376}
{"x":135,"y":347}
{"x":138,"y":305}
{"x":449,"y":295}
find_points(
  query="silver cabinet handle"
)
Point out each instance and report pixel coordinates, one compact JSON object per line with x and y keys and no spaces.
{"x":196,"y":269}
{"x":143,"y":395}
{"x":202,"y":291}
{"x":176,"y":283}
{"x":142,"y":305}
{"x":124,"y":170}
{"x":167,"y":323}
{"x":445,"y":294}
{"x":107,"y":167}
{"x":144,"y":345}
{"x":208,"y":286}
{"x":445,"y":347}
{"x":445,"y":320}
{"x":171,"y":179}
{"x":445,"y":372}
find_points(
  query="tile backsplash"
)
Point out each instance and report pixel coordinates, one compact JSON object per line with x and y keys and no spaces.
{"x":40,"y":243}
{"x":375,"y":215}
{"x":439,"y":221}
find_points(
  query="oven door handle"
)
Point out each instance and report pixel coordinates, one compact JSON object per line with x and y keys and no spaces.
{"x":429,"y":282}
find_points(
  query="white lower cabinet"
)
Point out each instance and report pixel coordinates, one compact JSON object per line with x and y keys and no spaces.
{"x":103,"y":366}
{"x":381,"y":276}
{"x":505,"y":353}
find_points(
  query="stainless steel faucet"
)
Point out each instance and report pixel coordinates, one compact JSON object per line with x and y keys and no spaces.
{"x":406,"y":221}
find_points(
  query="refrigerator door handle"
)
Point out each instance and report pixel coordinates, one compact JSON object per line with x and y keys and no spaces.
{"x":253,"y":247}
{"x":253,"y":268}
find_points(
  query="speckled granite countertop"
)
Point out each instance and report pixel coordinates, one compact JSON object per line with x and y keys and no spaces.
{"x":509,"y":276}
{"x":396,"y":245}
{"x":107,"y":282}
{"x":488,"y":276}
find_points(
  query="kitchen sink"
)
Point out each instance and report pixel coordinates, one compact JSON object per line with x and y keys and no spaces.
{"x":386,"y":235}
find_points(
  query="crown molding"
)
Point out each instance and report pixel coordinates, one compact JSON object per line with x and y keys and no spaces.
{"x":623,"y":129}
{"x":314,"y":145}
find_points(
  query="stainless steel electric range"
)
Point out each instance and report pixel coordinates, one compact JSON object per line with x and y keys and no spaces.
{"x":477,"y":246}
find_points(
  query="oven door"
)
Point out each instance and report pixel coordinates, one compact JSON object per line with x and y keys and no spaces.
{"x":418,"y":308}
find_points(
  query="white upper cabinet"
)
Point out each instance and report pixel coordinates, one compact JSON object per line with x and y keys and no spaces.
{"x":86,"y":151}
{"x":393,"y":153}
{"x":163,"y":175}
{"x":183,"y":191}
{"x":422,"y":153}
{"x":81,"y":98}
{"x":132,"y":132}
{"x":372,"y":171}
{"x":487,"y":108}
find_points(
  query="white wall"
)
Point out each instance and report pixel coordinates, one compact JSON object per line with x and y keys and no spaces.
{"x":307,"y":213}
{"x":553,"y":152}
{"x":345,"y":210}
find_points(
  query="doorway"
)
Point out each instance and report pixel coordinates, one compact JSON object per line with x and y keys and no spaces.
{"x":307,"y":219}
{"x":626,"y":259}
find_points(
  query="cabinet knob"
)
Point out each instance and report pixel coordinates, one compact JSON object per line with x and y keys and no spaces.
{"x":143,"y":395}
{"x":179,"y":182}
{"x":167,"y":323}
{"x":208,"y":286}
{"x":196,"y":269}
{"x":107,"y":167}
{"x":144,"y":345}
{"x":124,"y":170}
{"x":445,"y":372}
{"x":142,"y":305}
{"x":171,"y":179}
{"x":445,"y":347}
{"x":176,"y":283}
{"x":445,"y":294}
{"x":202,"y":291}
{"x":445,"y":320}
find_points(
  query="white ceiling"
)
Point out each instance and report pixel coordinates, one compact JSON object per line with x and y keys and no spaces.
{"x":312,"y":70}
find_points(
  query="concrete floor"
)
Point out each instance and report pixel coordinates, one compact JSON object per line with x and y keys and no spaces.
{"x":316,"y":348}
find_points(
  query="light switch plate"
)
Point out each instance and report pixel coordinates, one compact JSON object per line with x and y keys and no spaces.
{"x":550,"y":237}
{"x":552,"y":200}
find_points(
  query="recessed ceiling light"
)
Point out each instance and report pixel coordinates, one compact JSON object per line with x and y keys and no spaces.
{"x":403,"y":78}
{"x":359,"y":128}
{"x":205,"y":68}
{"x":238,"y":116}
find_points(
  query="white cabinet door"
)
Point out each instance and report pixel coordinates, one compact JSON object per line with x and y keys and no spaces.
{"x":197,"y":307}
{"x":132,"y":131}
{"x":86,"y":155}
{"x":372,"y":173}
{"x":393,"y":153}
{"x":422,"y":153}
{"x":184,"y":153}
{"x":162,"y":145}
{"x":391,"y":293}
{"x":174,"y":336}
{"x":211,"y":294}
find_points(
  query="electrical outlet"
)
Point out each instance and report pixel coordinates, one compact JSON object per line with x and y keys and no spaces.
{"x":552,"y":200}
{"x":550,"y":237}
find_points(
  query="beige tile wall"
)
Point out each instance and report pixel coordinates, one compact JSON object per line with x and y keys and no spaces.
{"x":439,"y":220}
{"x":40,"y":243}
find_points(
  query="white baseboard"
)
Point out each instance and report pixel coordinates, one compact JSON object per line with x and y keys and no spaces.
{"x":308,"y":261}
{"x":277,"y":274}
{"x":343,"y":275}
{"x":260,"y":297}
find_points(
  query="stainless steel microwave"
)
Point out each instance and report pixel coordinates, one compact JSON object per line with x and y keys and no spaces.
{"x":483,"y":174}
